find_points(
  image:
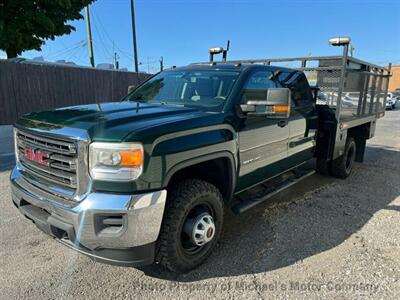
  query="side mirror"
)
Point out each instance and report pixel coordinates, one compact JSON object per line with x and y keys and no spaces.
{"x":276,"y":103}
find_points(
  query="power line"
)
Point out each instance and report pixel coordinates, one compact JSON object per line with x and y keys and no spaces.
{"x":67,"y":49}
{"x":74,"y":54}
{"x":64,"y":52}
{"x":81,"y":55}
{"x":100,"y":35}
{"x":104,"y":35}
{"x":125,"y":53}
{"x":104,"y":29}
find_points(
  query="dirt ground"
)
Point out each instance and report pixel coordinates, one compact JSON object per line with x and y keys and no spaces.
{"x":323,"y":238}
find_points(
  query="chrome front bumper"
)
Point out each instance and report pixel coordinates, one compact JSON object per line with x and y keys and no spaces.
{"x":113,"y":228}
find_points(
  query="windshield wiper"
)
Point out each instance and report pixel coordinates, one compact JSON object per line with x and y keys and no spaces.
{"x":169,"y":103}
{"x":138,"y":98}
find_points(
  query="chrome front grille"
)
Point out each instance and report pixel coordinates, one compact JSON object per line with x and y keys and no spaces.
{"x":56,"y":162}
{"x":61,"y":159}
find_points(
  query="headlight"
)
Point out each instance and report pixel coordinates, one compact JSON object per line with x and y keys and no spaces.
{"x":116,"y":162}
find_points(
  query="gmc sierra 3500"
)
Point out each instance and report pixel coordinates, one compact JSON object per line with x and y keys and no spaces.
{"x":146,"y":179}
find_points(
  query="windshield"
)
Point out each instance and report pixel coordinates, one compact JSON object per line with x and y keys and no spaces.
{"x":204,"y":89}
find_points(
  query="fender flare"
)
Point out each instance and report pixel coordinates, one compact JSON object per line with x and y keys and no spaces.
{"x":204,"y":158}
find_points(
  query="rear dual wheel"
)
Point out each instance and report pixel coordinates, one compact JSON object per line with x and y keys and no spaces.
{"x":343,"y":165}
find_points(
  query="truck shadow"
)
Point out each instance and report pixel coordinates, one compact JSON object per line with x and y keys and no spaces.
{"x":7,"y":163}
{"x":314,"y":216}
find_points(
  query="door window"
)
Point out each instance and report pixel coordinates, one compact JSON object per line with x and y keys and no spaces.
{"x":299,"y":87}
{"x":257,"y":85}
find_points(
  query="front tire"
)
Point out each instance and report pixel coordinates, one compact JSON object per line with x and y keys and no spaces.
{"x":191,"y":226}
{"x":342,"y":166}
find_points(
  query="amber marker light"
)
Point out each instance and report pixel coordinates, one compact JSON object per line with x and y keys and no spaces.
{"x":280,"y":108}
{"x":131,"y":158}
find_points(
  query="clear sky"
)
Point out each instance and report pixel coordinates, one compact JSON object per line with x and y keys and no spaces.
{"x":182,"y":30}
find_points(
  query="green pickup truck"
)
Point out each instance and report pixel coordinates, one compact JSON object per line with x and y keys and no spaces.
{"x":146,"y":180}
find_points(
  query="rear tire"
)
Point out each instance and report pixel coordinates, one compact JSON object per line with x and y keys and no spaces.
{"x":192,"y":204}
{"x":342,"y":166}
{"x":323,"y":166}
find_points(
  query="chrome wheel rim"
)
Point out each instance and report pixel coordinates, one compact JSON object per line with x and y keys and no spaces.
{"x":203,"y":230}
{"x":198,"y":229}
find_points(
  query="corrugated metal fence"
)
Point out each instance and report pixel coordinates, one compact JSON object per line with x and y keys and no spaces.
{"x":26,"y":87}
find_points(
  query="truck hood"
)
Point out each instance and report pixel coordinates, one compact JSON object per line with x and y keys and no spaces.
{"x":114,"y":121}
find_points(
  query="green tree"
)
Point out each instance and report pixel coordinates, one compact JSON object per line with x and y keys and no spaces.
{"x":27,"y":24}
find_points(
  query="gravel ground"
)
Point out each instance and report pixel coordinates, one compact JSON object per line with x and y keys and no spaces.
{"x":324,"y":238}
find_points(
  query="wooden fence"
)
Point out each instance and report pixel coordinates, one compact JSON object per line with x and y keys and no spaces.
{"x":26,"y":87}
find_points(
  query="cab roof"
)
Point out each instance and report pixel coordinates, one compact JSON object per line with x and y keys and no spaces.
{"x":229,"y":66}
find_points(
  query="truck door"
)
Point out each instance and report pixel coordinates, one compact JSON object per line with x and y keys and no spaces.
{"x":263,"y":142}
{"x":302,"y":121}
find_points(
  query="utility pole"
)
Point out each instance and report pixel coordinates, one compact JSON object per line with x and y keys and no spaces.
{"x":134,"y":36}
{"x":89,"y":34}
{"x":116,"y":62}
{"x":161,"y":64}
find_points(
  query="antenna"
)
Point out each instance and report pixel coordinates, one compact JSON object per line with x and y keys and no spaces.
{"x":225,"y":52}
{"x":351,"y":49}
{"x":161,"y":63}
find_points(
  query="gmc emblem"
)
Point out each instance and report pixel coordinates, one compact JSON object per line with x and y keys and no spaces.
{"x":37,"y":156}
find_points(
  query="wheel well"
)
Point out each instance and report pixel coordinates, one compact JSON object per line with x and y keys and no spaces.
{"x":216,"y":171}
{"x":360,"y":131}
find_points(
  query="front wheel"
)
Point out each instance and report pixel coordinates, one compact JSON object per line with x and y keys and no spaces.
{"x":191,"y":226}
{"x":342,"y":166}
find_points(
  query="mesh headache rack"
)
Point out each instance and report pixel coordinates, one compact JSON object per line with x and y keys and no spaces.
{"x":356,"y":89}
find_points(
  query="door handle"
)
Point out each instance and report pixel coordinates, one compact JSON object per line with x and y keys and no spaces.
{"x":282,"y":123}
